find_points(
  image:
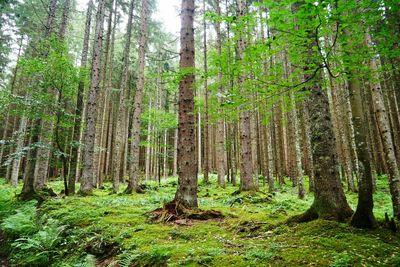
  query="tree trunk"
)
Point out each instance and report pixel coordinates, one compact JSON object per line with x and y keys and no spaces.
{"x":134,"y":166}
{"x":384,"y":129}
{"x":64,"y":19}
{"x":305,"y":132}
{"x":363,"y":216}
{"x":20,"y":144}
{"x":186,"y":193}
{"x":220,"y":136}
{"x":246,"y":163}
{"x":299,"y":168}
{"x":329,"y":201}
{"x":102,"y":100}
{"x":88,"y":179}
{"x":122,"y":107}
{"x":79,"y":103}
{"x":206,"y":125}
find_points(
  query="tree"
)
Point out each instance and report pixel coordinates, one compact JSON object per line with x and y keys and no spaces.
{"x":220,"y":124}
{"x":246,"y":167}
{"x":186,"y":193}
{"x":206,"y":166}
{"x":134,"y":168}
{"x":88,"y":172}
{"x":73,"y":163}
{"x":329,"y":199}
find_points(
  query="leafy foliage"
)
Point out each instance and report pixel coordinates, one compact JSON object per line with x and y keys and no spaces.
{"x":40,"y":248}
{"x":22,"y":222}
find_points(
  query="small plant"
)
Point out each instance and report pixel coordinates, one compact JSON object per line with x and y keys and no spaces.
{"x":396,"y":260}
{"x":341,"y":260}
{"x":258,"y":254}
{"x":128,"y":258}
{"x":22,"y":222}
{"x":158,"y":256}
{"x":39,"y":248}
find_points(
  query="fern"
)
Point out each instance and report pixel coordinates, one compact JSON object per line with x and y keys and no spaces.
{"x":128,"y":259}
{"x":22,"y":222}
{"x":39,"y":248}
{"x":89,"y":261}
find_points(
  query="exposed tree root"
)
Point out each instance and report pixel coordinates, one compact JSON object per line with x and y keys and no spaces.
{"x":363,"y":220}
{"x":313,"y":214}
{"x":174,"y":211}
{"x":390,"y":223}
{"x":40,"y":196}
{"x":307,"y":216}
{"x":140,"y":189}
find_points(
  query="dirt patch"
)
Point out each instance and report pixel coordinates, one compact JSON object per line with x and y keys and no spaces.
{"x":177,"y":213}
{"x":110,"y":262}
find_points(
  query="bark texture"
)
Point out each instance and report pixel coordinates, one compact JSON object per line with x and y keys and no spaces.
{"x":134,"y":166}
{"x":186,"y":193}
{"x":88,"y":172}
{"x":246,"y":163}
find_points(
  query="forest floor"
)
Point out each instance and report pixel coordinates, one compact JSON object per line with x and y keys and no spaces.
{"x":114,"y":230}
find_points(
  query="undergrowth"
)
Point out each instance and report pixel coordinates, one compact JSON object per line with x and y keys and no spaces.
{"x":113,"y":230}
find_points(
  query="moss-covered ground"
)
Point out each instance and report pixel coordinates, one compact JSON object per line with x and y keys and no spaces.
{"x":114,"y":230}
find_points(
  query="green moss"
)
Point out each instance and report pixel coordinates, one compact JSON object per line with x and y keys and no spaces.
{"x":251,"y":234}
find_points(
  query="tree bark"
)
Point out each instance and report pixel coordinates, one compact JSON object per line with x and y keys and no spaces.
{"x":73,"y":173}
{"x":20,"y":143}
{"x":206,"y":125}
{"x":88,"y":171}
{"x":246,"y":163}
{"x":329,"y":200}
{"x":134,"y":166}
{"x":363,"y":216}
{"x":384,"y":129}
{"x":220,"y":137}
{"x":186,"y":193}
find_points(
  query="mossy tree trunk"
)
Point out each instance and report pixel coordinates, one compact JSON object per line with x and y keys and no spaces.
{"x":329,"y":199}
{"x":363,"y":216}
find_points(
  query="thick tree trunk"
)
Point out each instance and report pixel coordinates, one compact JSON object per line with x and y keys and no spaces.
{"x":123,"y":106}
{"x":79,"y":104}
{"x":363,"y":216}
{"x":329,"y":201}
{"x":246,"y":163}
{"x":88,"y":178}
{"x":186,"y":193}
{"x":134,"y":166}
